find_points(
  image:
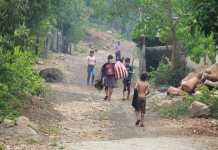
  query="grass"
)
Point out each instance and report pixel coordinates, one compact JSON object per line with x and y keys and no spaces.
{"x":53,"y":144}
{"x":81,"y":50}
{"x":2,"y":147}
{"x":102,"y":117}
{"x":51,"y":130}
{"x":175,"y":110}
{"x":32,"y":141}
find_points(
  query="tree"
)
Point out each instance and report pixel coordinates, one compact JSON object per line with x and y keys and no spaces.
{"x":172,"y":19}
{"x":205,"y":16}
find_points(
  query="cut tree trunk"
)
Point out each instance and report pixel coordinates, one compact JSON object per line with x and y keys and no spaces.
{"x":210,"y":77}
{"x":188,"y":86}
{"x":211,"y":84}
{"x":175,"y":91}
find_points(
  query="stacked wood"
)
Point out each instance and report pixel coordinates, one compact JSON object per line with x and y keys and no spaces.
{"x":188,"y":86}
{"x":201,"y":76}
{"x":211,"y":84}
{"x":175,"y":91}
{"x":210,"y":77}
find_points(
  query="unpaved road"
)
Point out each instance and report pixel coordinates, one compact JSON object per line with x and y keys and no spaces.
{"x":90,"y":123}
{"x":82,"y":120}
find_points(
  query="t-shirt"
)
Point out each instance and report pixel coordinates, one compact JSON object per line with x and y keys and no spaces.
{"x":104,"y":68}
{"x":91,"y":60}
{"x":117,"y":48}
{"x":129,"y":69}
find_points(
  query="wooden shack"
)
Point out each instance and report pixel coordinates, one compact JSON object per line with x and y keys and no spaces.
{"x":151,"y":52}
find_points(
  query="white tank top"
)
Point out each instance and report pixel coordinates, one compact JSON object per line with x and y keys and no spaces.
{"x":91,"y":60}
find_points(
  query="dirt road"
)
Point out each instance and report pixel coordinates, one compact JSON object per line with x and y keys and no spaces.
{"x":88,"y":122}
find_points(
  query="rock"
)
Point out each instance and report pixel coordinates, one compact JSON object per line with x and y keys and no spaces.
{"x":40,"y":62}
{"x":8,"y":123}
{"x":199,"y":110}
{"x":23,"y":121}
{"x":23,"y":132}
{"x":178,"y":99}
{"x":52,"y":75}
{"x":109,"y":32}
{"x":214,"y":123}
{"x":33,"y":126}
{"x":165,"y":103}
{"x":197,"y":93}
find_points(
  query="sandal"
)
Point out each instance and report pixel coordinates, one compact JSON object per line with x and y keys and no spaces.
{"x":137,"y":122}
{"x":105,"y":98}
{"x":142,"y":125}
{"x":123,"y":99}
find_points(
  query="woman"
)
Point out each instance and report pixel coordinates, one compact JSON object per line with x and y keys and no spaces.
{"x":108,"y":73}
{"x":91,"y":67}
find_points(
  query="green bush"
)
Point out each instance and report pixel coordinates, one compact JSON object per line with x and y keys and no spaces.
{"x":176,"y":110}
{"x":180,"y":109}
{"x":18,"y":78}
{"x":166,"y":75}
{"x":207,"y":97}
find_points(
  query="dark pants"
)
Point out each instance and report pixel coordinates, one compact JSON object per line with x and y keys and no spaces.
{"x":91,"y":70}
{"x":126,"y":85}
{"x":118,"y":55}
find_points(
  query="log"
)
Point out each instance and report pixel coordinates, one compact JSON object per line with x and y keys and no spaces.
{"x":211,"y":84}
{"x":188,"y":77}
{"x":210,"y":77}
{"x":175,"y":91}
{"x":188,"y":86}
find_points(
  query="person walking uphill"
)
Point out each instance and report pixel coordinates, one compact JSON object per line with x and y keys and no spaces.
{"x":108,"y":73}
{"x":127,"y":81}
{"x":91,"y":67}
{"x":118,"y":51}
{"x":143,"y":89}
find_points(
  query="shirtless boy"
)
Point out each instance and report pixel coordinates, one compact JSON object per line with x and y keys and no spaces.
{"x":143,"y":89}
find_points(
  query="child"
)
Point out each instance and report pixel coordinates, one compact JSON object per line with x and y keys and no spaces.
{"x":143,"y":89}
{"x":127,"y":81}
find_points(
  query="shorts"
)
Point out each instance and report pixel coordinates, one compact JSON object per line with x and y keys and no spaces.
{"x":140,"y":104}
{"x":126,"y":85}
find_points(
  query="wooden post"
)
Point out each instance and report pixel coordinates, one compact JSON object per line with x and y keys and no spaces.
{"x":47,"y":44}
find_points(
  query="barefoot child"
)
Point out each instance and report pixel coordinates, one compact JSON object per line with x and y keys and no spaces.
{"x":143,"y":89}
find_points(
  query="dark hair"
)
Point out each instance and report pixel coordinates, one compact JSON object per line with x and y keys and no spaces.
{"x":91,"y":52}
{"x":127,"y":60}
{"x":143,"y":77}
{"x":110,"y":57}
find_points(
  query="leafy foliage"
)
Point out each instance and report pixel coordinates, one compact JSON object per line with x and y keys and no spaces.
{"x":18,"y":78}
{"x":207,"y":97}
{"x":166,"y":75}
{"x":180,"y":109}
{"x":205,"y":16}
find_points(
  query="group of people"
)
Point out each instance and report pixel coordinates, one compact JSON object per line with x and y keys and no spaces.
{"x":108,"y":76}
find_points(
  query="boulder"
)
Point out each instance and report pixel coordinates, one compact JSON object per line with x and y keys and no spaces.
{"x":52,"y":75}
{"x":23,"y":121}
{"x":23,"y":132}
{"x":8,"y":123}
{"x":199,"y":110}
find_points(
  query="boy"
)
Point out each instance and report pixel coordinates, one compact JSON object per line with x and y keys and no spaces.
{"x":143,"y":89}
{"x":127,"y":81}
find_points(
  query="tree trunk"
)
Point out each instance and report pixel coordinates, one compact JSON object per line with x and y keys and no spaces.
{"x":173,"y":90}
{"x":188,"y":86}
{"x":211,"y":84}
{"x":174,"y":51}
{"x":173,"y":34}
{"x":47,"y":44}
